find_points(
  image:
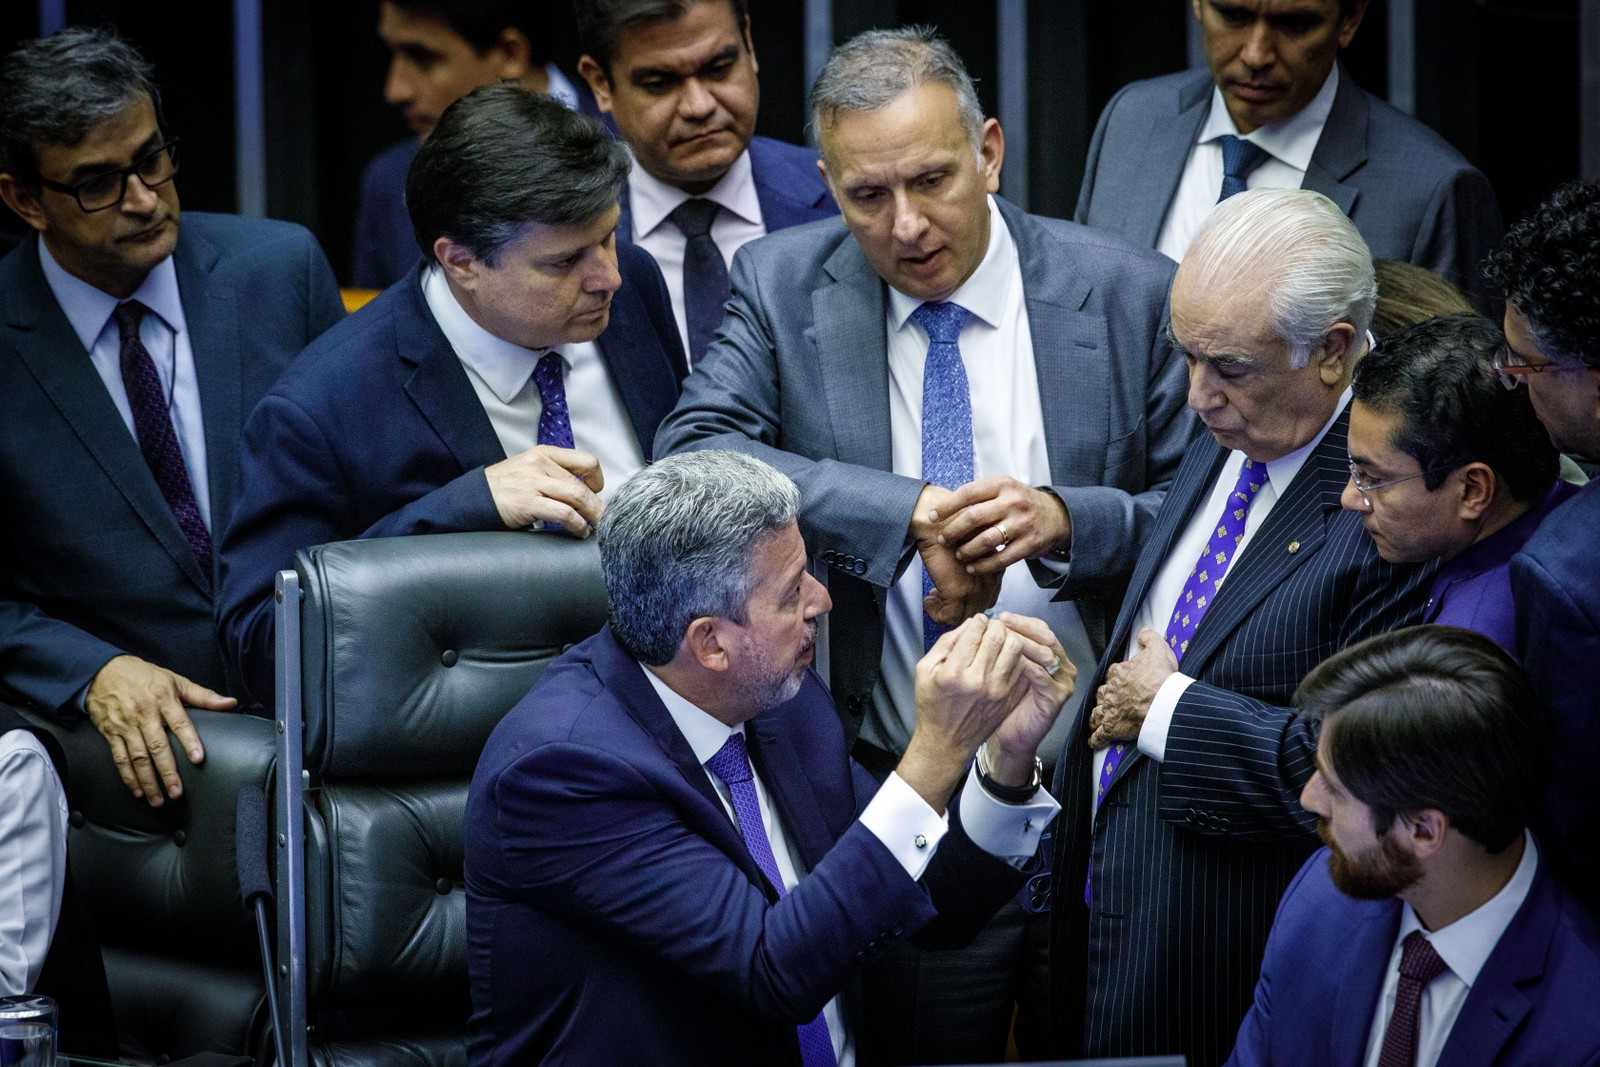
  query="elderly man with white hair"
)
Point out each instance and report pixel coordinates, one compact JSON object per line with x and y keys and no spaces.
{"x":1181,"y":781}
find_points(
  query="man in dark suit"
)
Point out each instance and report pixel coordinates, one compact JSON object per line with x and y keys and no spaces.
{"x":679,"y":79}
{"x":1549,"y":271}
{"x":1276,"y":111}
{"x":500,"y":386}
{"x":1178,"y":845}
{"x":1050,"y":447}
{"x":623,"y":851}
{"x":1432,"y":928}
{"x":131,"y":349}
{"x":440,"y":50}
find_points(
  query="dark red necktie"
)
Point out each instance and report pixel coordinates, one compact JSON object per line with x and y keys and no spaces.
{"x":152,"y":425}
{"x":1419,"y":965}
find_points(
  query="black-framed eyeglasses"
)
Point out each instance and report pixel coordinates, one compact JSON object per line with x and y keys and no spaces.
{"x":1366,"y":488}
{"x":106,"y":190}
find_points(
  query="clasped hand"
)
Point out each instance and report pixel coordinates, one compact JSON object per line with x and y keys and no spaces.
{"x":967,"y":537}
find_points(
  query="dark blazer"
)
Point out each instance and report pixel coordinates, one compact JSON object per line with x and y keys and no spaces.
{"x":385,"y":246}
{"x":1555,"y":583}
{"x":1190,"y":855}
{"x":1409,"y":192}
{"x":377,"y":433}
{"x":789,"y":187}
{"x":94,"y":563}
{"x":603,"y":871}
{"x":1532,"y":1004}
{"x":799,"y":376}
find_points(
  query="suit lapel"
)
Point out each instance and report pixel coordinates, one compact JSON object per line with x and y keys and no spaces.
{"x":1342,"y":148}
{"x":47,"y":345}
{"x":625,"y":220}
{"x":776,"y":179}
{"x":848,"y":337}
{"x":211,"y":310}
{"x":1156,"y":173}
{"x":632,"y":354}
{"x":780,"y":768}
{"x":1367,"y":948}
{"x":438,"y":385}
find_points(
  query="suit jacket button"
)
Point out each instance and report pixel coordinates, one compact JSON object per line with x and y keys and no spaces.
{"x":860,"y":566}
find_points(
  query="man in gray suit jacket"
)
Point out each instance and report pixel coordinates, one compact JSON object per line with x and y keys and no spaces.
{"x":834,"y":365}
{"x":1162,"y":149}
{"x":130,"y":352}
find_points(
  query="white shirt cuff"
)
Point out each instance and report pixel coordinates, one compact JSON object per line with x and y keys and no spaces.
{"x":1153,"y":734}
{"x":908,"y":828}
{"x":1006,"y":831}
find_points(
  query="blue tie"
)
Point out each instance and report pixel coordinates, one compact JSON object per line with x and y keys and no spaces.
{"x":555,"y":424}
{"x":731,"y":765}
{"x":1239,"y":159}
{"x":705,"y":274}
{"x":946,"y":416}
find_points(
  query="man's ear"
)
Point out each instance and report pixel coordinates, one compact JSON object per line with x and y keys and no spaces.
{"x":600,"y":85}
{"x":1478,"y":488}
{"x":1424,"y":831}
{"x":705,"y":642}
{"x":1335,"y":360}
{"x":515,"y":53}
{"x":21,"y":201}
{"x":457,"y":261}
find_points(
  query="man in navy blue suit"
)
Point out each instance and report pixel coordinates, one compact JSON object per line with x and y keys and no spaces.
{"x":441,"y":50}
{"x":1549,"y":271}
{"x":132,"y":345}
{"x":679,"y":79}
{"x":502,"y":384}
{"x":1432,"y":929}
{"x":670,"y":857}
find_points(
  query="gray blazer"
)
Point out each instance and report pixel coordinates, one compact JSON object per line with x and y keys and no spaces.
{"x":798,"y":375}
{"x":1412,"y":196}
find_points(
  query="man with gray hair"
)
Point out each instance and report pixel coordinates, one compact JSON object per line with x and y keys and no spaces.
{"x":134,"y":338}
{"x":501,"y":385}
{"x":669,"y":826}
{"x":957,"y":387}
{"x":1183,"y":780}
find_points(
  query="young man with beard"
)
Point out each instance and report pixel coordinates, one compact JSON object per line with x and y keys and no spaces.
{"x":1430,"y":930}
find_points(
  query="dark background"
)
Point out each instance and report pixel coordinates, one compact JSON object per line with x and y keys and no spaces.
{"x":1499,"y":78}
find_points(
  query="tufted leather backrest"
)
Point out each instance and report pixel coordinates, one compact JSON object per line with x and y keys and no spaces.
{"x":412,"y":649}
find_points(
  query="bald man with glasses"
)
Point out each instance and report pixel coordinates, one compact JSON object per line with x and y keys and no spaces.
{"x":131,"y":348}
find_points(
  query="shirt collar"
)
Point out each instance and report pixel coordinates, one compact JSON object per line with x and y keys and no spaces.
{"x":705,"y":733}
{"x":653,"y":200}
{"x":560,"y":86}
{"x":89,"y":309}
{"x":985,"y":292}
{"x":1282,"y":471}
{"x":503,"y":366}
{"x":1466,"y":944}
{"x":1291,"y":140}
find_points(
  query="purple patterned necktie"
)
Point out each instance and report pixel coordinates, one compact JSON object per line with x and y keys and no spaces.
{"x":1198,"y":593}
{"x":1419,"y":965}
{"x":946,"y":416}
{"x":1240,"y":158}
{"x":152,"y":425}
{"x":731,"y":765}
{"x":555,"y":423}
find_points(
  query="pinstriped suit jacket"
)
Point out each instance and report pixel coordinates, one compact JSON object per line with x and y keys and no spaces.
{"x":1190,"y":856}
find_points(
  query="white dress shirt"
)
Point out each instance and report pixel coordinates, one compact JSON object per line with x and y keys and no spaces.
{"x":165,"y":333}
{"x":1008,"y":439}
{"x":896,"y":815}
{"x":33,"y":858}
{"x":1163,"y":595}
{"x":652,"y":201}
{"x":1465,"y":946}
{"x":501,"y":374}
{"x":560,"y":86}
{"x":1290,"y":143}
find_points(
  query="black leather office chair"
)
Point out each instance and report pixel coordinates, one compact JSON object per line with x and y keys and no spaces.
{"x":396,"y":658}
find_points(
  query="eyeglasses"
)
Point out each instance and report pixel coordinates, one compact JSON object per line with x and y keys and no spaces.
{"x":1513,"y":369}
{"x":106,"y":190}
{"x":1366,"y":488}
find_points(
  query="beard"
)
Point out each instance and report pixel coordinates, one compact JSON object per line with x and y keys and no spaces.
{"x":767,"y":685}
{"x":1377,"y":875}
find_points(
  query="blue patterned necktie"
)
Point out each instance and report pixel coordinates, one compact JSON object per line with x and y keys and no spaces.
{"x":555,"y":424}
{"x":1205,"y":580}
{"x":1239,"y":159}
{"x":731,"y":765}
{"x":705,"y":274}
{"x":946,"y":416}
{"x":152,"y":426}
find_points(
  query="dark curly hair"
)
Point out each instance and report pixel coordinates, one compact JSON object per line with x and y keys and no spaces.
{"x":1548,"y":266}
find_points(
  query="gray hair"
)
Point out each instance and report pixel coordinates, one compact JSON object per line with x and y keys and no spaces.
{"x":1319,"y":268}
{"x":54,"y":89}
{"x":874,"y":69}
{"x":676,"y":544}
